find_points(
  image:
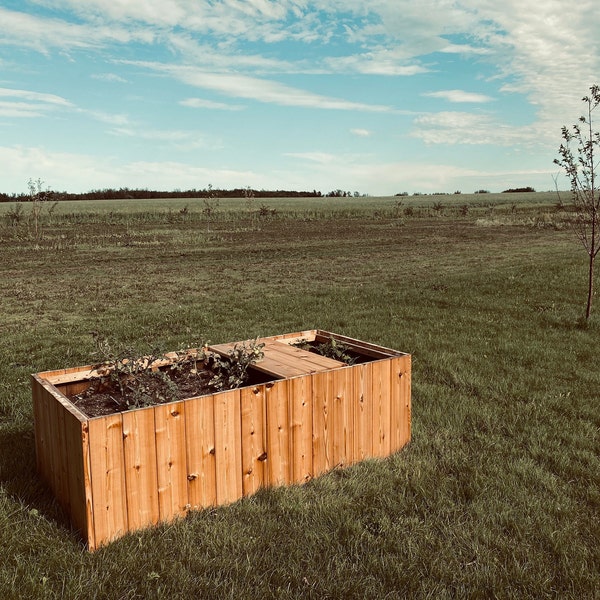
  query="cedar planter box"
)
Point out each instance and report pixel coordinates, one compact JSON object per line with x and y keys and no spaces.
{"x":133,"y":469}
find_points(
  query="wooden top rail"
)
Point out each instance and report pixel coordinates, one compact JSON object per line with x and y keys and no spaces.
{"x":282,"y":360}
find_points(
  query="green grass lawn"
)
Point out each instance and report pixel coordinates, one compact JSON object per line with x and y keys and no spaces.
{"x":498,"y":494}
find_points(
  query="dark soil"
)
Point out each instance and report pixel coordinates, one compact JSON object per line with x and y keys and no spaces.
{"x":106,"y":395}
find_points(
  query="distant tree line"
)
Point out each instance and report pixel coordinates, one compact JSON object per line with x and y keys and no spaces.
{"x":518,"y":190}
{"x":138,"y":194}
{"x":457,"y":192}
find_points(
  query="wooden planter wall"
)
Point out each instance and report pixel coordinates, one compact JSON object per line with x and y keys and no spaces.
{"x":122,"y":472}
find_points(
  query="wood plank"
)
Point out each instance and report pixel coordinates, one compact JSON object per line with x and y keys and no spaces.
{"x":301,"y":434}
{"x":75,"y":439}
{"x":291,"y":338}
{"x":40,"y":383}
{"x":171,"y":460}
{"x":340,"y":417}
{"x":228,"y":448}
{"x":107,"y":478}
{"x":40,"y":421}
{"x":403,"y":372}
{"x":294,"y":355}
{"x":61,"y":457}
{"x":87,"y":484}
{"x":362,"y":446}
{"x":201,"y":465}
{"x":141,"y":481}
{"x":254,"y":440}
{"x":283,"y":360}
{"x":272,"y":365}
{"x":366,"y":348}
{"x":321,"y":388}
{"x":381,"y":408}
{"x":278,"y":434}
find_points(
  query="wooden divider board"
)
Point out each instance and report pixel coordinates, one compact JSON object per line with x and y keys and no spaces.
{"x":285,"y":361}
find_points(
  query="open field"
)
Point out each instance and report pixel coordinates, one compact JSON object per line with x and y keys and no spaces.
{"x":498,"y":494}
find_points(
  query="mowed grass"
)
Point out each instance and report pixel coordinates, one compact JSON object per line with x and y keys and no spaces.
{"x":498,"y":494}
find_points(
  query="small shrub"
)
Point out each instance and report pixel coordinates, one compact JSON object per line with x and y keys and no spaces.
{"x":331,"y":349}
{"x":232,"y":371}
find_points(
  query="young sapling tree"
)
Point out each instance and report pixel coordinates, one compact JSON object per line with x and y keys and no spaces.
{"x":581,"y":167}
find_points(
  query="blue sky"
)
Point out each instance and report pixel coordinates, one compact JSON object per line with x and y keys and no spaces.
{"x":379,"y":97}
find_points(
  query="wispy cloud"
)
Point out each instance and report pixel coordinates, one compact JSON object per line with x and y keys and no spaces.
{"x":322,"y":158}
{"x":110,"y":77}
{"x":467,"y":128}
{"x":45,"y":34}
{"x":261,"y":90}
{"x":175,"y":137}
{"x":361,"y":132}
{"x":210,"y":104}
{"x":42,"y":98}
{"x":24,"y":103}
{"x":459,"y":96}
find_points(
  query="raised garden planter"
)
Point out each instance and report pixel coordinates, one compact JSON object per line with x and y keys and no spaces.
{"x":121,"y":472}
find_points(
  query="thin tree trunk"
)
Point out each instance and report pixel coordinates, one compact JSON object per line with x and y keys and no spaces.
{"x":588,"y":310}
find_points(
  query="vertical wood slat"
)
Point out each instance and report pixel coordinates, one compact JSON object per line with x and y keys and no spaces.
{"x":403,"y":400}
{"x":59,"y":443}
{"x":171,"y":460}
{"x":89,"y":531}
{"x":278,"y":433}
{"x":107,"y":478}
{"x":363,"y":411}
{"x":341,"y":417}
{"x":381,"y":408}
{"x":200,"y":452}
{"x":254,"y":439}
{"x":75,"y":440}
{"x":228,"y":448}
{"x":41,"y":404}
{"x":321,"y":388}
{"x":301,"y":429}
{"x":139,"y":443}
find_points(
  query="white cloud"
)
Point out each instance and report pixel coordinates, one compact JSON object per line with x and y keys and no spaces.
{"x":202,"y":103}
{"x":82,"y":172}
{"x":543,"y":50}
{"x":43,"y":34}
{"x":468,"y":128}
{"x":398,"y":61}
{"x":182,"y":140}
{"x":27,"y":104}
{"x":261,"y":90}
{"x":103,"y":117}
{"x":361,"y":132}
{"x":48,"y":99}
{"x":322,"y":158}
{"x":110,"y":77}
{"x":459,"y":96}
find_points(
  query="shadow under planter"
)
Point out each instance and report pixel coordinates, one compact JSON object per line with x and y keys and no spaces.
{"x":118,"y":473}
